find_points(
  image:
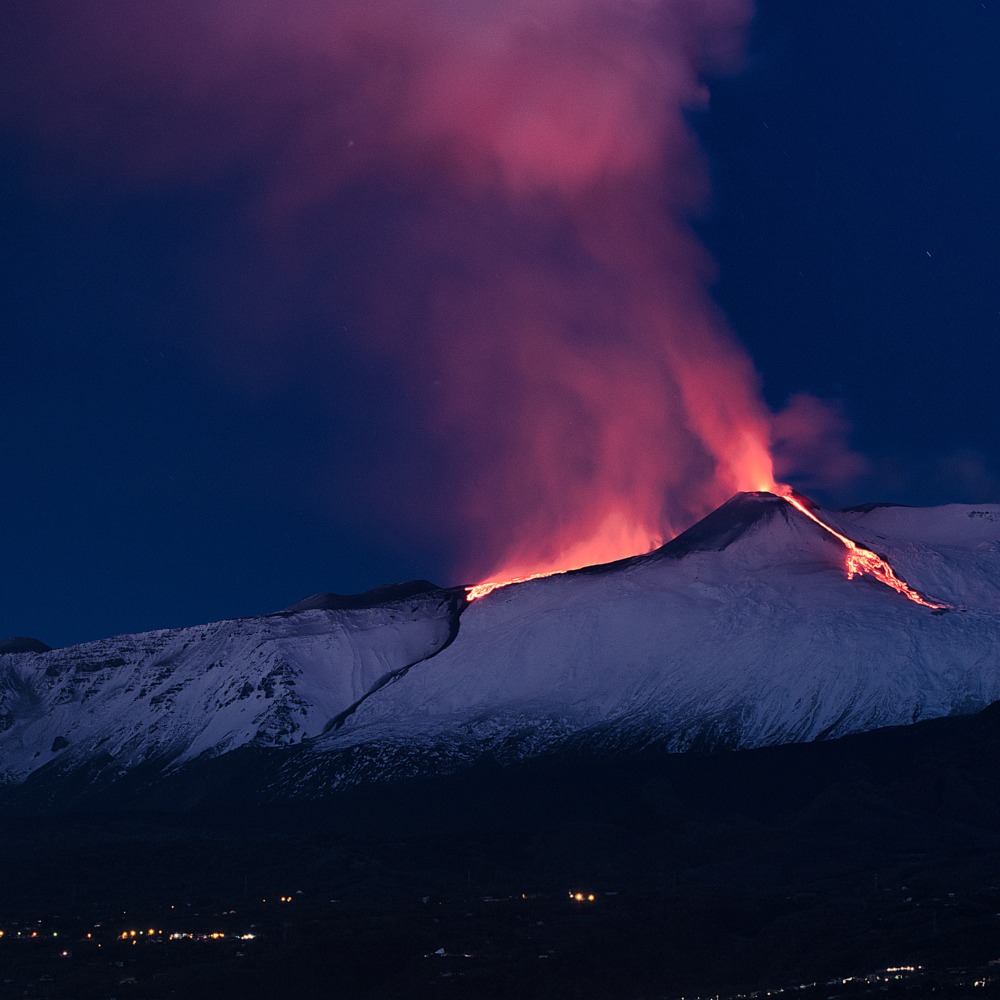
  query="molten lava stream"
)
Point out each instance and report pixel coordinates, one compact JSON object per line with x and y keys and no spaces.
{"x":482,"y":589}
{"x":861,"y":560}
{"x":618,"y":536}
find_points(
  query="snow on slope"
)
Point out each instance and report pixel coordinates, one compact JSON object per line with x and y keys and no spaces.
{"x":742,"y":631}
{"x":952,"y":552}
{"x":744,"y":635}
{"x":177,"y":693}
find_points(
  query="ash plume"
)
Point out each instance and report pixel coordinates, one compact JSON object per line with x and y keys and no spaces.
{"x":512,"y":183}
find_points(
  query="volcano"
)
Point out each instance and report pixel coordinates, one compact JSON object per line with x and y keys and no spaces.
{"x":743,"y":631}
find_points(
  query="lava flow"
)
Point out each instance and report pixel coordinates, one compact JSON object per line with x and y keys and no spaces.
{"x":861,"y":560}
{"x":482,"y":589}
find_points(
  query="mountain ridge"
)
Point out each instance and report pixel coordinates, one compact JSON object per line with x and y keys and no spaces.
{"x":743,"y":631}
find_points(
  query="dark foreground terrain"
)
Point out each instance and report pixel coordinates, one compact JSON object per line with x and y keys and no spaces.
{"x":868,"y":866}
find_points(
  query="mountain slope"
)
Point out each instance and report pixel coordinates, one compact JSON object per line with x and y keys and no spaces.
{"x":743,"y":631}
{"x":175,"y":694}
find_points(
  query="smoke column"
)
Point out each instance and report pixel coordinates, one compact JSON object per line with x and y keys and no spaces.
{"x":532,"y":175}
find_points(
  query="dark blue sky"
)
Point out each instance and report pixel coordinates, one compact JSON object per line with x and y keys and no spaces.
{"x":149,"y":481}
{"x":856,"y":219}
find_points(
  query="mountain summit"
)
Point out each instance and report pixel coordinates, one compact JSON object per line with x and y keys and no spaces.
{"x":743,"y":513}
{"x":742,"y":631}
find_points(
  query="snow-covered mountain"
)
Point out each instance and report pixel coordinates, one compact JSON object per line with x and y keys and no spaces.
{"x":743,"y":631}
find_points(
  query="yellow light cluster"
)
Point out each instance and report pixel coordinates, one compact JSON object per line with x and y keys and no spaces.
{"x":582,"y":897}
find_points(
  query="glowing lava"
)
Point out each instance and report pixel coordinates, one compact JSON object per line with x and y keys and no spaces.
{"x":616,"y":537}
{"x":482,"y":589}
{"x":861,"y":560}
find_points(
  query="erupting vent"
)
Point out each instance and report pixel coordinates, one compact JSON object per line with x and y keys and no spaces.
{"x":859,"y":561}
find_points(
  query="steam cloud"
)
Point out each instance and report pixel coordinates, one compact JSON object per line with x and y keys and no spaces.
{"x":809,"y":442}
{"x":521,"y":173}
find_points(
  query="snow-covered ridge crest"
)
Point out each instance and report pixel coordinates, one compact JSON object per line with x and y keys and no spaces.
{"x":177,"y":693}
{"x":742,"y":631}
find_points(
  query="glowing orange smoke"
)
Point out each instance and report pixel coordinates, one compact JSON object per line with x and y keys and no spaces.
{"x":861,"y":560}
{"x":499,"y":194}
{"x":615,"y":538}
{"x":482,"y":589}
{"x":618,"y":536}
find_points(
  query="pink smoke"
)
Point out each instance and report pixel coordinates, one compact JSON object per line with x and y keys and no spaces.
{"x":537,"y":266}
{"x":810,"y":445}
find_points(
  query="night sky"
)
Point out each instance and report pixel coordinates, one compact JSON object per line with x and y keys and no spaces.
{"x":193,"y":431}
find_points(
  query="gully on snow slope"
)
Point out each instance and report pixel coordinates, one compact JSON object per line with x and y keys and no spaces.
{"x":745,"y":630}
